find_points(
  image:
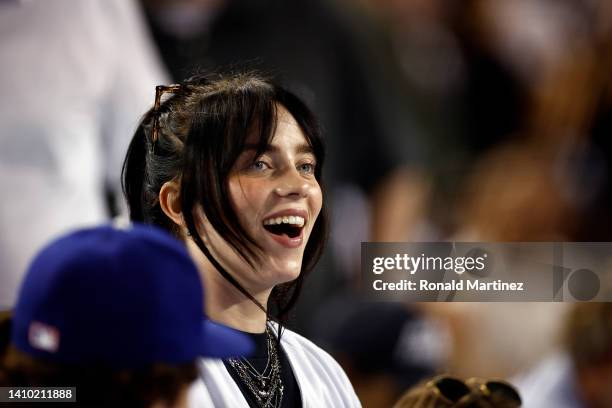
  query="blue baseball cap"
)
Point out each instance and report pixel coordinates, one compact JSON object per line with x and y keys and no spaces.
{"x":123,"y":298}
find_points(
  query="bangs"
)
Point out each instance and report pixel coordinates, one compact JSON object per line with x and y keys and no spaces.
{"x":248,"y":119}
{"x":232,"y":121}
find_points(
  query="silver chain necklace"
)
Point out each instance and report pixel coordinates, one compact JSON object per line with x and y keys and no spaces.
{"x":267,"y":386}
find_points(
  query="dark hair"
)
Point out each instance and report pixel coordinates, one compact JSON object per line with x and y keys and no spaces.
{"x":96,"y":385}
{"x":202,"y":130}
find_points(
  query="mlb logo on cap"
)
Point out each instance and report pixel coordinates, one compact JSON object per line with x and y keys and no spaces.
{"x":43,"y":337}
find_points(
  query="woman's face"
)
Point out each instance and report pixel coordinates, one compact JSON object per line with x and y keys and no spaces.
{"x":277,"y":200}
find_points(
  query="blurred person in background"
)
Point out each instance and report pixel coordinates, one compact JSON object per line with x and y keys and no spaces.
{"x":503,"y":205}
{"x":232,"y":166}
{"x":375,"y":179}
{"x":76,"y":73}
{"x":518,"y":99}
{"x":483,"y":73}
{"x":464,"y":97}
{"x":578,"y":375}
{"x":451,"y":392}
{"x":552,"y":180}
{"x":559,"y":53}
{"x":385,"y":347}
{"x":116,"y":313}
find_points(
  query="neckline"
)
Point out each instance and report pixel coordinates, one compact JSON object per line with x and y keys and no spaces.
{"x":289,"y":345}
{"x":260,"y":341}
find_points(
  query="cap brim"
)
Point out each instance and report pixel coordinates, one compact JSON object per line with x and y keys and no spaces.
{"x":222,"y":341}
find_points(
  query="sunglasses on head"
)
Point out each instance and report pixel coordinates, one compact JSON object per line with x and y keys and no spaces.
{"x":497,"y":388}
{"x":160,"y":90}
{"x":452,"y":390}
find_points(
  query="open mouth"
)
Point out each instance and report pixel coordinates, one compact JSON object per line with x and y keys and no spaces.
{"x":291,"y":231}
{"x":290,"y":226}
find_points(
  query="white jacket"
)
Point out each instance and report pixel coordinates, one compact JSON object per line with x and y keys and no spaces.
{"x":322,"y":381}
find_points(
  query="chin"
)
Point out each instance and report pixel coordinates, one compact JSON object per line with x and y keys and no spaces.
{"x":286,"y":271}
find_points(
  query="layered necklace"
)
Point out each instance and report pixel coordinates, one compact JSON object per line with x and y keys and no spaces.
{"x":266,"y":386}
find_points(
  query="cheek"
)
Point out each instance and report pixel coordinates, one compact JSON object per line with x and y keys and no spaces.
{"x":247,"y":196}
{"x":316,"y":199}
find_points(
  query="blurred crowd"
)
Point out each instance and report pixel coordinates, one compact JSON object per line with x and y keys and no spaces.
{"x":472,"y":120}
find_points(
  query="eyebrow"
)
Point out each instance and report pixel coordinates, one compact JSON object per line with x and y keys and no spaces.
{"x":301,"y":149}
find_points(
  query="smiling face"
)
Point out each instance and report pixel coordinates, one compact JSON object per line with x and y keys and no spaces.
{"x":277,"y":199}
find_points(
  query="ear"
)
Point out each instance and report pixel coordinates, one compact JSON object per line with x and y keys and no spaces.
{"x":170,"y":202}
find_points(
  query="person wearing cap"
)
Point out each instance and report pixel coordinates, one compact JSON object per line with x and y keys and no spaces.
{"x":116,"y":313}
{"x":231,"y":165}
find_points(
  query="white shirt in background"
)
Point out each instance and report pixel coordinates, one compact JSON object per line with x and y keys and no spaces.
{"x":76,"y":77}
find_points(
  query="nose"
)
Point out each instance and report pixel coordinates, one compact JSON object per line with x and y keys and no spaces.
{"x":292,"y":184}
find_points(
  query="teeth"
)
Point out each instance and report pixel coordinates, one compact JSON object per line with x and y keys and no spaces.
{"x":291,"y":219}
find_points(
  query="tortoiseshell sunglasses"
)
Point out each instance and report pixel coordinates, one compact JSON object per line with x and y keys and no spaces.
{"x":160,"y":90}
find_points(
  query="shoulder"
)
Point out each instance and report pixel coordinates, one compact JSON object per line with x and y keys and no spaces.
{"x":198,"y":396}
{"x":320,"y":376}
{"x":294,"y":342}
{"x":549,"y":383}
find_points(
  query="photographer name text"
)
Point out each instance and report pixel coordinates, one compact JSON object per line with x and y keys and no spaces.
{"x":453,"y":285}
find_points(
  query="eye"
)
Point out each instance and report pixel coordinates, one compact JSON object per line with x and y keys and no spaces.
{"x":306,"y":168}
{"x":259,"y":165}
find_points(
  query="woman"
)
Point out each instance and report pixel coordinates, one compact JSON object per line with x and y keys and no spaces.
{"x":232,"y":166}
